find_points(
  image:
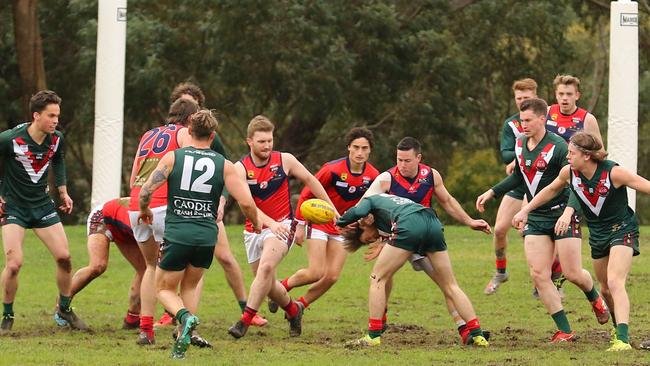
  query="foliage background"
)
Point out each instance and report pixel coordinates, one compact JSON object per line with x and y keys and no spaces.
{"x":438,"y":70}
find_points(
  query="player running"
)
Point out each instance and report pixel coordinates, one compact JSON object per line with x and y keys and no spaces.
{"x":411,"y":228}
{"x":195,"y":177}
{"x":540,"y":155}
{"x":267,"y":173}
{"x":600,"y":187}
{"x":28,"y":150}
{"x":511,"y":202}
{"x":345,"y":181}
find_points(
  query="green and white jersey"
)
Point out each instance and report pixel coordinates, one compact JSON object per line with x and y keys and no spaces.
{"x":605,"y":207}
{"x":386,"y":209}
{"x":510,"y":132}
{"x":535,"y":170}
{"x":194,"y":187}
{"x":26,"y":165}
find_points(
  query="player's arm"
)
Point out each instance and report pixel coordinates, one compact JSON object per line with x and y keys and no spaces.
{"x":591,"y":126}
{"x":381,"y":184}
{"x":509,"y":183}
{"x":324,"y":176}
{"x":623,"y":177}
{"x":362,"y":209}
{"x":183,"y":137}
{"x":156,"y":179}
{"x":507,"y":144}
{"x":242,"y":194}
{"x":296,"y":169}
{"x":543,"y":196}
{"x":58,"y":167}
{"x":453,"y":208}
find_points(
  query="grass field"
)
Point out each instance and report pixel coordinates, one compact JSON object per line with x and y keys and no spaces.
{"x":421,"y":333}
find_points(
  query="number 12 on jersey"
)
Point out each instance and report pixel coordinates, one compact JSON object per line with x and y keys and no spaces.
{"x":205,"y":165}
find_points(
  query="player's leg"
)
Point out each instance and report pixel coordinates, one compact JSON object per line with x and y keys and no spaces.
{"x":540,"y":251}
{"x":569,"y":252}
{"x":98,"y":249}
{"x":618,"y":268}
{"x":335,"y":257}
{"x":316,"y":255}
{"x":150,"y":250}
{"x":134,"y":256}
{"x":12,"y":240}
{"x":231,"y":268}
{"x":507,"y":209}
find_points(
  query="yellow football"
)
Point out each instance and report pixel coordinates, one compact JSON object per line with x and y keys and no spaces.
{"x":317,"y":211}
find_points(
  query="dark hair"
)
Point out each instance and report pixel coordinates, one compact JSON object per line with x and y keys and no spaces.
{"x":588,"y":144}
{"x":357,"y":133}
{"x":409,"y":143}
{"x":203,"y":124}
{"x":536,"y":105}
{"x":181,"y":110}
{"x":352,"y":238}
{"x":39,"y":101}
{"x":187,"y":88}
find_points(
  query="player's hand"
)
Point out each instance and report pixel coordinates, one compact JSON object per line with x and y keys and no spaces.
{"x":480,"y":225}
{"x":300,"y":234}
{"x":280,"y":230}
{"x":563,"y":223}
{"x":66,"y":203}
{"x":510,"y":168}
{"x":520,"y":219}
{"x":373,"y":251}
{"x":482,"y":199}
{"x":145,"y":217}
{"x":2,"y":205}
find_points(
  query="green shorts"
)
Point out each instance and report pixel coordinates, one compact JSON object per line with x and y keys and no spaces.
{"x":176,"y":257}
{"x":30,"y":218}
{"x":628,"y":238}
{"x":419,"y":232}
{"x":546,"y":227}
{"x":517,"y":193}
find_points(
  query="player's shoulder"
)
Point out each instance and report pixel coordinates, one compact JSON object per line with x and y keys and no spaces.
{"x":58,"y":134}
{"x":514,"y":117}
{"x":371,"y":169}
{"x":555,"y":138}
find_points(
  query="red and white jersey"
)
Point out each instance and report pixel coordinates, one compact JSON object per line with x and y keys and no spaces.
{"x":153,"y":145}
{"x":418,"y":189}
{"x":114,"y":216}
{"x":343,"y":187}
{"x":269,"y":185}
{"x":565,"y":125}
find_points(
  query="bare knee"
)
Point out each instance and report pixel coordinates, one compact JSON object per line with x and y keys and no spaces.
{"x":572,"y":275}
{"x":97,"y":269}
{"x":265,"y":270}
{"x":64,"y":263}
{"x":12,"y":268}
{"x":540,"y":276}
{"x":501,"y":232}
{"x":615,"y":285}
{"x":331,"y":278}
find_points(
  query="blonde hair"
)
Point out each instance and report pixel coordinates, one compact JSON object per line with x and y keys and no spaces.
{"x":524,"y":85}
{"x":588,"y":144}
{"x":566,"y":80}
{"x":259,"y":123}
{"x":203,"y":124}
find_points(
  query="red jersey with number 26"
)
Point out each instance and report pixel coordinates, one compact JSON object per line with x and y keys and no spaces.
{"x":343,"y":187}
{"x":153,"y":145}
{"x":418,"y":189}
{"x":269,"y":185}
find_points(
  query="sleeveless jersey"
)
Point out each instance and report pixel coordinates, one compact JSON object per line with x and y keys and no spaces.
{"x":536,"y":169}
{"x":194,"y":187}
{"x":153,"y":145}
{"x":269,"y":185}
{"x":565,"y":125}
{"x":26,"y":165}
{"x":510,"y":132}
{"x":343,"y":187}
{"x":605,"y":206}
{"x":116,"y":219}
{"x":418,"y":189}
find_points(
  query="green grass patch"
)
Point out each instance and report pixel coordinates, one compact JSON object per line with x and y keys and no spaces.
{"x":421,"y":332}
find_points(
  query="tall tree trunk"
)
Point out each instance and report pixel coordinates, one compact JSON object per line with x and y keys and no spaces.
{"x":29,"y":50}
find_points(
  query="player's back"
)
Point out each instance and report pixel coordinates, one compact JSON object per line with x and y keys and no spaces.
{"x":116,"y":219}
{"x":154,"y":144}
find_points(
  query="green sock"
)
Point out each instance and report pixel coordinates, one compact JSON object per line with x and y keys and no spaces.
{"x":375,"y":333}
{"x":64,"y":302}
{"x":592,"y":295}
{"x":8,"y":308}
{"x":621,"y":332}
{"x":561,"y":321}
{"x":242,"y":305}
{"x":182,"y":314}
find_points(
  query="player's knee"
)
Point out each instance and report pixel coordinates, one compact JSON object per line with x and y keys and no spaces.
{"x":98,"y":269}
{"x":331,"y":278}
{"x":540,"y":276}
{"x":12,"y":267}
{"x":64,"y":263}
{"x":615,"y":285}
{"x":265,"y":270}
{"x":572,"y":275}
{"x":501,"y":231}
